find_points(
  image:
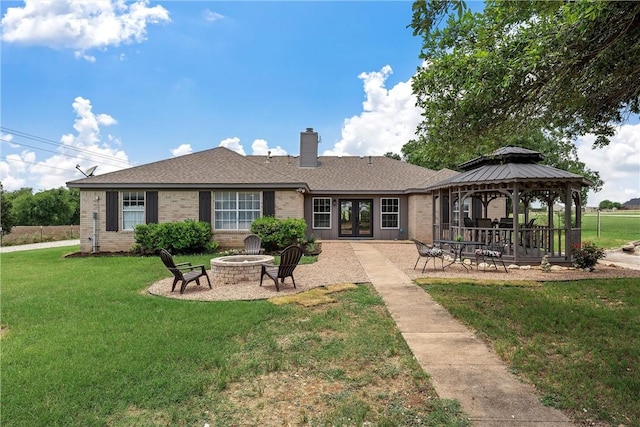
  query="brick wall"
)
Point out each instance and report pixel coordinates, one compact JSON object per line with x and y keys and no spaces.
{"x":420,"y":217}
{"x":177,"y":205}
{"x":289,"y":204}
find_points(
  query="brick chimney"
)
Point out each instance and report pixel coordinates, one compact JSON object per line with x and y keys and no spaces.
{"x":309,"y":148}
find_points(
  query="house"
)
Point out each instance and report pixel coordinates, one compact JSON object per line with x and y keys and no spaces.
{"x":370,"y":197}
{"x":633,"y":204}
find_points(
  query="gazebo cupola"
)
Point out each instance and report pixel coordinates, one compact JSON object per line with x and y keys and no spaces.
{"x":507,"y":199}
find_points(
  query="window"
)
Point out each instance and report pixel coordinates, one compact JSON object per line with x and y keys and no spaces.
{"x":322,"y":212}
{"x":236,"y":210}
{"x":132,"y":209}
{"x":389,"y":213}
{"x":456,"y":211}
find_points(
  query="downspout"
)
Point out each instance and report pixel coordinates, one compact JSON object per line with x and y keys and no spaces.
{"x":94,"y":249}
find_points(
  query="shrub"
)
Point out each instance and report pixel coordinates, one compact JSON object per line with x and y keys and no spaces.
{"x":186,"y":237}
{"x":587,"y":255}
{"x":277,"y":234}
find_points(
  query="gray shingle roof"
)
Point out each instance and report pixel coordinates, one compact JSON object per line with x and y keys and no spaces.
{"x":351,"y":174}
{"x":222,"y":168}
{"x":219,"y":167}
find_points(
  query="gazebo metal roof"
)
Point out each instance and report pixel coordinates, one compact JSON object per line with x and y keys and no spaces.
{"x":508,"y":164}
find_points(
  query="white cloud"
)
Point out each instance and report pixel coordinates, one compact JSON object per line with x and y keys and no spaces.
{"x":7,"y":138}
{"x":211,"y":16}
{"x":260,"y":147}
{"x":182,"y":150}
{"x":80,"y":25}
{"x":388,"y":121}
{"x":618,"y":164}
{"x":233,"y":144}
{"x":85,"y":148}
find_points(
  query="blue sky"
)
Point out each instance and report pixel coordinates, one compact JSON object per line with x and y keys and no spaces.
{"x":108,"y":84}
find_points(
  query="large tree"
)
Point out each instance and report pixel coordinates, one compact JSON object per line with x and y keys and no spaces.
{"x":567,"y":68}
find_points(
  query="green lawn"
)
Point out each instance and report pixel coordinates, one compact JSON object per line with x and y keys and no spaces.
{"x":578,"y":342}
{"x":616,"y":228}
{"x":83,"y":344}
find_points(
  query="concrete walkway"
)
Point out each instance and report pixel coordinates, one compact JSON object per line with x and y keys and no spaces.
{"x":461,"y":366}
{"x":43,"y":245}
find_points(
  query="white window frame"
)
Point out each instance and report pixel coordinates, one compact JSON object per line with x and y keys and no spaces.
{"x":232,"y":207}
{"x":131,"y":208}
{"x":383,"y":213}
{"x":314,"y":213}
{"x":466,"y":209}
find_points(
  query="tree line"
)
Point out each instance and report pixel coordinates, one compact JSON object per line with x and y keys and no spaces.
{"x":57,"y":206}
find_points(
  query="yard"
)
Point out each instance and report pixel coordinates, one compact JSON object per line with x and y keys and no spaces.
{"x":84,"y":344}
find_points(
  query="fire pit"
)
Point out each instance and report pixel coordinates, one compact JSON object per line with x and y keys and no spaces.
{"x":238,"y":268}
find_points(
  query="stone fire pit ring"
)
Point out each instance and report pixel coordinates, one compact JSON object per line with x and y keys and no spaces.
{"x":232,"y":269}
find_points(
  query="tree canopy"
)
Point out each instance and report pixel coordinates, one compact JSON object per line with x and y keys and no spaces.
{"x":569,"y":68}
{"x":56,"y":206}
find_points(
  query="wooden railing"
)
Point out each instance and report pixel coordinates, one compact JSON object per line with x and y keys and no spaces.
{"x":530,"y":242}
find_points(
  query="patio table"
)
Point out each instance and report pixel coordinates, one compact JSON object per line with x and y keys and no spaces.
{"x":457,"y":246}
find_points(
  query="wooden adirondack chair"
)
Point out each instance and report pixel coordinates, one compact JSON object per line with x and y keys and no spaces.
{"x":289,"y":259}
{"x":183,"y":272}
{"x":253,"y":245}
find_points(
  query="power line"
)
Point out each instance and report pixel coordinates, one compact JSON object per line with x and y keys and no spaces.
{"x":32,"y":163}
{"x":57,"y":144}
{"x":54,"y":152}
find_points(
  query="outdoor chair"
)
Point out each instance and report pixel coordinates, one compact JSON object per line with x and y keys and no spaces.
{"x":491,"y":253}
{"x":253,"y":245}
{"x":428,"y":252}
{"x":486,"y":225}
{"x":289,"y":259}
{"x":470,"y":225}
{"x":183,"y":272}
{"x":526,"y":235}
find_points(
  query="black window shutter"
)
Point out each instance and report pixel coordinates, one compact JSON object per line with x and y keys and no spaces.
{"x":112,"y":210}
{"x":151,"y":207}
{"x":268,"y":203}
{"x":204,"y":209}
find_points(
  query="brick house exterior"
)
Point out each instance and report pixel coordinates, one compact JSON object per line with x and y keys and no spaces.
{"x":372,"y":197}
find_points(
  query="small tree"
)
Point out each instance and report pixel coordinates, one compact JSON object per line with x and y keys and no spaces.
{"x":7,"y":218}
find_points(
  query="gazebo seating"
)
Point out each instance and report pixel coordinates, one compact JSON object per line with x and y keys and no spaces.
{"x":490,"y":253}
{"x":428,"y":252}
{"x":253,"y":245}
{"x":183,"y":272}
{"x":289,"y":259}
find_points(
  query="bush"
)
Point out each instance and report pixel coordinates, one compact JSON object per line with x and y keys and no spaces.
{"x":277,"y":234}
{"x":186,"y":237}
{"x":587,"y":255}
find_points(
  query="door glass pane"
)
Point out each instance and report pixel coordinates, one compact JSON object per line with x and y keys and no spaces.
{"x":346,"y":218}
{"x":364,"y":218}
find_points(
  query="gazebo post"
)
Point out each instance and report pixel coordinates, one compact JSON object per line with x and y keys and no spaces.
{"x":568,"y":239}
{"x":515,"y":197}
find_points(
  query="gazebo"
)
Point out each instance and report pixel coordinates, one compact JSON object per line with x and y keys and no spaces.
{"x":506,"y":201}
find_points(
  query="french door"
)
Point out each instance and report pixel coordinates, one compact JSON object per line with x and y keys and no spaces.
{"x":356,"y":218}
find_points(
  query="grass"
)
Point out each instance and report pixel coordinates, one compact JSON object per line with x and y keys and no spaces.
{"x":616,"y":228}
{"x":578,"y":342}
{"x":84,"y":344}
